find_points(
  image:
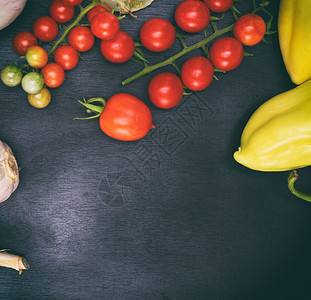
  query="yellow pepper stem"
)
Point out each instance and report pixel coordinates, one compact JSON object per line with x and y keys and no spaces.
{"x":293,"y":176}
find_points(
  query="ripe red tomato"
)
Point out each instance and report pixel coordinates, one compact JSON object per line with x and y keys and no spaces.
{"x":81,"y":38}
{"x":119,"y":49}
{"x":157,"y":34}
{"x":54,"y":75}
{"x":197,"y":73}
{"x":126,"y":118}
{"x":66,"y":56}
{"x":45,"y":29}
{"x":60,"y":12}
{"x":95,"y":10}
{"x":219,"y":6}
{"x":22,"y":40}
{"x":226,"y":53}
{"x":165,"y":90}
{"x":192,"y":16}
{"x":71,"y":2}
{"x":36,"y":57}
{"x":105,"y":25}
{"x":249,"y":29}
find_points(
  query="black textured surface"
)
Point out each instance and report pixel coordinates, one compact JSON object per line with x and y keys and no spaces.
{"x":172,"y":216}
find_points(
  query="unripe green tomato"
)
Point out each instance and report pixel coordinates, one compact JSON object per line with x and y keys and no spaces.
{"x":41,"y":99}
{"x":11,"y":75}
{"x":32,"y":83}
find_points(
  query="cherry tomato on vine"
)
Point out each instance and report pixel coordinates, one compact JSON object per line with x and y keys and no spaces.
{"x":197,"y":73}
{"x":165,"y":90}
{"x":41,"y":99}
{"x":32,"y":83}
{"x":60,"y":12}
{"x":72,"y":2}
{"x":119,"y":49}
{"x":249,"y":29}
{"x":66,"y":56}
{"x":192,"y":16}
{"x":11,"y":75}
{"x":105,"y":25}
{"x":219,"y":6}
{"x":95,"y":10}
{"x":22,"y":40}
{"x":45,"y":29}
{"x":81,"y":38}
{"x":36,"y":57}
{"x":54,"y":75}
{"x":226,"y":53}
{"x":126,"y":118}
{"x":157,"y":34}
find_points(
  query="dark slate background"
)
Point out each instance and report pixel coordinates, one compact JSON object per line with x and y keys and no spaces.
{"x":172,"y":216}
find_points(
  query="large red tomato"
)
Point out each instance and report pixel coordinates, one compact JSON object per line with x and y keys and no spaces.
{"x":45,"y":28}
{"x":192,"y":16}
{"x":119,"y":49}
{"x":226,"y":53}
{"x":165,"y":90}
{"x":197,"y":73}
{"x":81,"y":38}
{"x":157,"y":34}
{"x":61,"y":13}
{"x":126,"y":118}
{"x":249,"y":29}
{"x":219,"y":6}
{"x":66,"y":56}
{"x":22,"y":40}
{"x":54,"y":75}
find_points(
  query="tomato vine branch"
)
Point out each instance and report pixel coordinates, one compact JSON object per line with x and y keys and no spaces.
{"x":293,"y":176}
{"x":173,"y":58}
{"x":73,"y":24}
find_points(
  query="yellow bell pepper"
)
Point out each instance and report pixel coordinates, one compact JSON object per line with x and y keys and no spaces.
{"x":277,"y":137}
{"x":294,"y":27}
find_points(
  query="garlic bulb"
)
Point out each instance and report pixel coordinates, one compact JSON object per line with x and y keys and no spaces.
{"x":9,"y":176}
{"x":10,"y":10}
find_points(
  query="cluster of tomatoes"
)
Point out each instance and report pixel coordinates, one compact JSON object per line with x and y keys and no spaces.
{"x":166,"y":89}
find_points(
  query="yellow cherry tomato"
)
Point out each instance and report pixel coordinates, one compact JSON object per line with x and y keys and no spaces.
{"x":41,"y":99}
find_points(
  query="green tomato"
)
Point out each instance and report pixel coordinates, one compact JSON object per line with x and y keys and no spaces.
{"x":32,"y":83}
{"x":11,"y":75}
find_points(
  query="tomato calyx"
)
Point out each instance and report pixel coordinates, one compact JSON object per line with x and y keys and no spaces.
{"x":91,"y":108}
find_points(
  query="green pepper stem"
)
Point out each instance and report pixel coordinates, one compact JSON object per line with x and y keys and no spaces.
{"x":293,"y":176}
{"x":173,"y":58}
{"x":73,"y":24}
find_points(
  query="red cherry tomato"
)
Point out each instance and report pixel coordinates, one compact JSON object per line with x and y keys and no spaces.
{"x":157,"y":34}
{"x":165,"y":90}
{"x":126,"y":118}
{"x":36,"y":57}
{"x":95,"y":10}
{"x":81,"y":38}
{"x":71,"y":2}
{"x":219,"y":6}
{"x":119,"y":49}
{"x":54,"y":75}
{"x":45,"y":29}
{"x":60,"y":12}
{"x":66,"y":56}
{"x":197,"y":73}
{"x":226,"y":53}
{"x":22,"y":40}
{"x":192,"y":15}
{"x":105,"y":25}
{"x":249,"y":29}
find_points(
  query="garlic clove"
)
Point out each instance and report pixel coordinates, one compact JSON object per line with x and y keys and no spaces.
{"x":16,"y":262}
{"x":9,"y":175}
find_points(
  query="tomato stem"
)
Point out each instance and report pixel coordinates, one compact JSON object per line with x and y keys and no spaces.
{"x":293,"y":176}
{"x":73,"y":24}
{"x":173,"y":58}
{"x":91,"y":108}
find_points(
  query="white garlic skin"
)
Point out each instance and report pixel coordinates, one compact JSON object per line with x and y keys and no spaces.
{"x":9,"y":175}
{"x":9,"y":11}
